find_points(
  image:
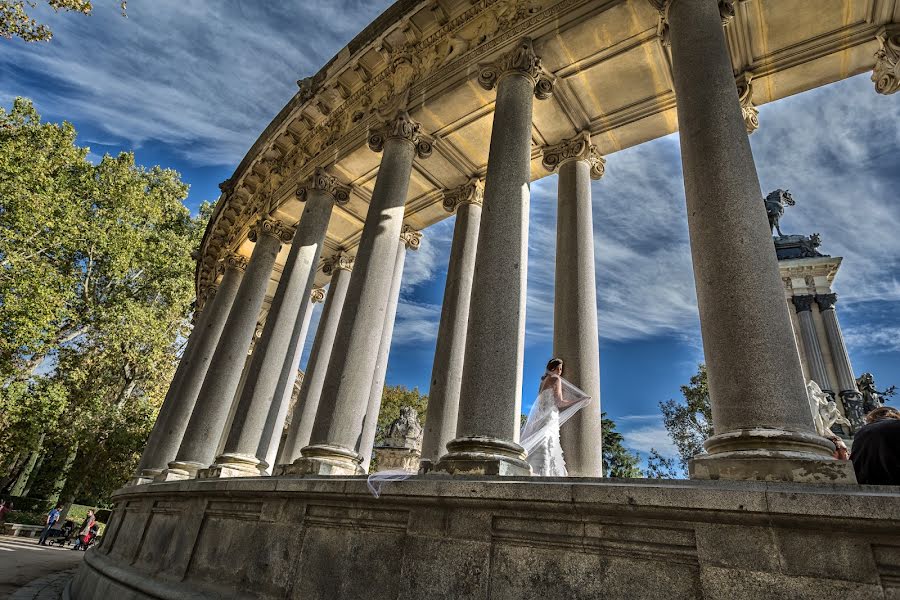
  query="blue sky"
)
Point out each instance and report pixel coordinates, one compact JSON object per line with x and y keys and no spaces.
{"x":190,"y":84}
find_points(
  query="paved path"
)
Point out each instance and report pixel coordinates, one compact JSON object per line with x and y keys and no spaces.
{"x":29,"y":571}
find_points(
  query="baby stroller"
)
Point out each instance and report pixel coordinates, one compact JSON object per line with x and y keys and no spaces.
{"x":87,"y":540}
{"x":63,"y":535}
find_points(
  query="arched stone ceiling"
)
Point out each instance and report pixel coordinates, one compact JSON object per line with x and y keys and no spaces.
{"x":613,"y":79}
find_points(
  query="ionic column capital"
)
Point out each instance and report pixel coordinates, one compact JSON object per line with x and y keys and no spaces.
{"x":803,"y":303}
{"x":826,"y":301}
{"x":317,"y":295}
{"x":322,"y":181}
{"x":207,"y":293}
{"x":576,"y":148}
{"x":273,"y":228}
{"x":471,"y":192}
{"x":726,"y":10}
{"x":404,"y":128}
{"x":748,"y":109}
{"x":886,"y":73}
{"x":521,"y":60}
{"x":411,"y":237}
{"x":341,"y":261}
{"x":234,"y":261}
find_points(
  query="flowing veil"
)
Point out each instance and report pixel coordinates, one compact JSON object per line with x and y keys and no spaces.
{"x":540,"y":422}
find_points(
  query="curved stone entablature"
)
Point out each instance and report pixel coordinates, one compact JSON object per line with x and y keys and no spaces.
{"x":605,"y":61}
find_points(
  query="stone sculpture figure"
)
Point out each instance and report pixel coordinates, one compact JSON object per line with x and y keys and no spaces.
{"x":405,"y":431}
{"x":775,"y":203}
{"x":824,"y":410}
{"x":871,"y":397}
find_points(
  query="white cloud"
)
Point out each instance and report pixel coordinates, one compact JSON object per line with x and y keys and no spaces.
{"x":649,"y":437}
{"x":873,"y":338}
{"x":416,"y":323}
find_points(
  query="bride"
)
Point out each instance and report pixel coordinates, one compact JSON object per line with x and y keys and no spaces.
{"x":557,"y":401}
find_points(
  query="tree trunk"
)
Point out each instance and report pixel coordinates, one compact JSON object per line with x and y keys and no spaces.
{"x":63,"y":476}
{"x":34,"y":474}
{"x":25,"y":474}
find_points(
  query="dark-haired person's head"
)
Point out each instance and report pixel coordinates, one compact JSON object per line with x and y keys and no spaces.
{"x":881,"y":413}
{"x":555,"y":366}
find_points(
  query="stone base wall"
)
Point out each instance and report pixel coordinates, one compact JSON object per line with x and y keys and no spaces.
{"x":433,"y":537}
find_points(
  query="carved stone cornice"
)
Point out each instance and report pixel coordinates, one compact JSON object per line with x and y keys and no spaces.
{"x":339,"y":261}
{"x":886,"y":73}
{"x":726,"y":11}
{"x":471,"y":192}
{"x":321,"y":180}
{"x":404,"y":128}
{"x":271,"y":227}
{"x":826,"y":301}
{"x":803,"y":303}
{"x":235,"y":261}
{"x":521,"y":60}
{"x":411,"y":237}
{"x":576,"y":148}
{"x":317,"y":295}
{"x":748,"y":109}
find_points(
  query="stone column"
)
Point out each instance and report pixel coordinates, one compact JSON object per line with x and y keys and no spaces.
{"x":272,"y":360}
{"x":886,"y":73}
{"x":846,"y":383}
{"x":812,"y":349}
{"x":446,"y":372}
{"x":339,"y":267}
{"x":410,"y":239}
{"x":763,"y":426}
{"x":490,"y":397}
{"x":274,"y":426}
{"x":201,"y":437}
{"x":575,"y":337}
{"x":345,"y":391}
{"x":182,"y":395}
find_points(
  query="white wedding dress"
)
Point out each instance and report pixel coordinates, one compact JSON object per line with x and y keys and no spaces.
{"x":557,"y":402}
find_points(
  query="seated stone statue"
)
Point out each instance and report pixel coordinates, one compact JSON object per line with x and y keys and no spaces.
{"x":824,"y":410}
{"x":405,"y":431}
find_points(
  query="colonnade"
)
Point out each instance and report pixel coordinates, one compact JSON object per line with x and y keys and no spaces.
{"x":763,"y":428}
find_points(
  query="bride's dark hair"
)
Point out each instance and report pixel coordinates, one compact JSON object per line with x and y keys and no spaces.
{"x":554,"y":363}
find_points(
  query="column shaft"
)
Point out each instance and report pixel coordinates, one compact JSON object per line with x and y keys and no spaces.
{"x":168,"y":431}
{"x":763,"y":426}
{"x":449,"y":353}
{"x":348,"y":382}
{"x":811,"y":347}
{"x":839,"y":355}
{"x":271,"y":363}
{"x":370,"y":423}
{"x":575,"y":316}
{"x":319,"y":356}
{"x":201,"y":437}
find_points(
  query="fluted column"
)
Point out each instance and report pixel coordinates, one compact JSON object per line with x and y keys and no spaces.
{"x":345,"y":392}
{"x":449,"y":352}
{"x":761,"y":418}
{"x":272,"y":362}
{"x":410,"y":239}
{"x":846,"y":383}
{"x":575,"y":337}
{"x":339,"y":267}
{"x":812,"y":348}
{"x":274,"y":427}
{"x":168,"y":430}
{"x":490,"y":402}
{"x":210,"y":413}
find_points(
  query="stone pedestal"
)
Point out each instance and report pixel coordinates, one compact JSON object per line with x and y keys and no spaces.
{"x":397,"y":459}
{"x":758,"y":395}
{"x":491,"y":397}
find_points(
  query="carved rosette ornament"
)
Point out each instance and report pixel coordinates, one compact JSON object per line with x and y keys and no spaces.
{"x":317,"y":295}
{"x":271,"y":227}
{"x":726,"y":11}
{"x":340,"y":261}
{"x":748,"y":109}
{"x":404,"y":128}
{"x":321,"y":180}
{"x":576,"y":148}
{"x":410,"y":237}
{"x":234,"y":261}
{"x":471,"y":192}
{"x":886,"y":74}
{"x":521,"y":60}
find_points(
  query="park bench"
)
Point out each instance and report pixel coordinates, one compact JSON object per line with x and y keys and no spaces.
{"x":18,"y":530}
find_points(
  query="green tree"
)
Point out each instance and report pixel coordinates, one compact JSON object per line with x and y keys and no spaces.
{"x":16,"y":22}
{"x":96,"y":285}
{"x":660,"y":467}
{"x":618,"y":461}
{"x":689,"y":421}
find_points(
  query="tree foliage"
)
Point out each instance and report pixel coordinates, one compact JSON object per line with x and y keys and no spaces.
{"x":689,"y":421}
{"x":96,"y":284}
{"x":618,"y":461}
{"x":16,"y":22}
